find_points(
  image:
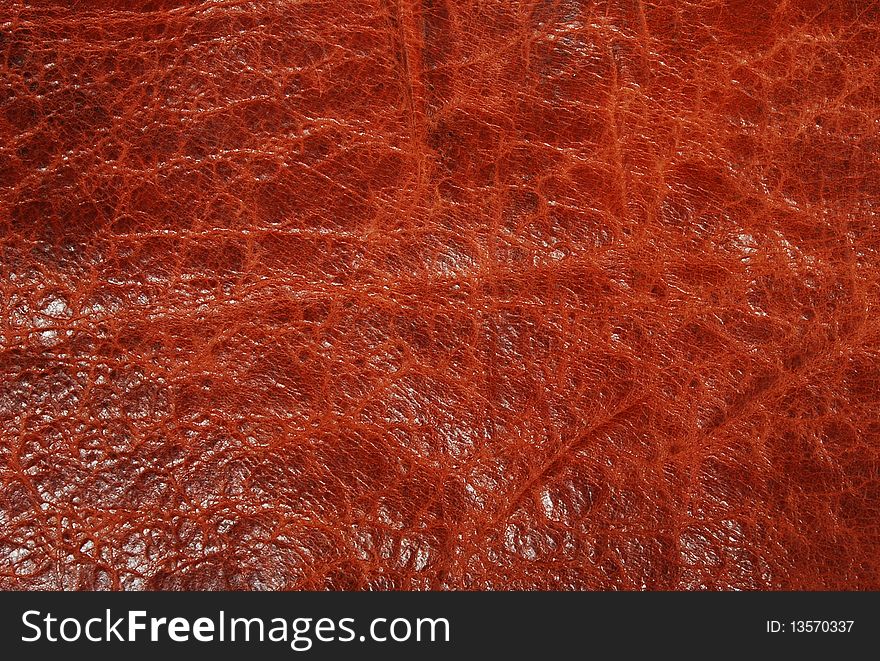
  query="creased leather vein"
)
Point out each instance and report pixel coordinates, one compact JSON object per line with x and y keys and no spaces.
{"x":439,"y":295}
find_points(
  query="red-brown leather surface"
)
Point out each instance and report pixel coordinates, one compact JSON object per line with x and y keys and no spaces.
{"x":439,"y":295}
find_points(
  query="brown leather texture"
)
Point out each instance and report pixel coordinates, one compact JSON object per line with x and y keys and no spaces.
{"x":439,"y":295}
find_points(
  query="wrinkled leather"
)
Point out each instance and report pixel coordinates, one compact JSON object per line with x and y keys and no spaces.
{"x":439,"y":295}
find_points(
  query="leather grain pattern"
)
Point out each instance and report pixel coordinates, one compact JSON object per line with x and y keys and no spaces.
{"x":451,"y":294}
